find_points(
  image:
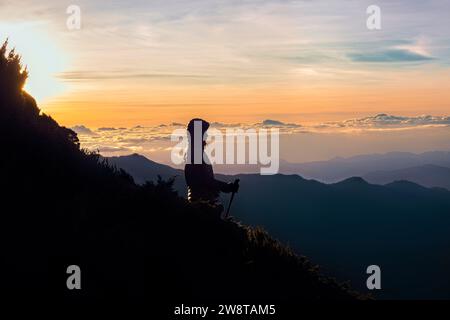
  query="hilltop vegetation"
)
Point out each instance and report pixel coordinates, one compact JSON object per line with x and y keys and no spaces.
{"x":64,"y":205}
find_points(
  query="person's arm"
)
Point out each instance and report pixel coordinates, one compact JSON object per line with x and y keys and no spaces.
{"x":224,"y":186}
{"x":218,"y":184}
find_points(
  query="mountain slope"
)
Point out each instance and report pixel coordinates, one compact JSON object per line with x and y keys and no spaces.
{"x":349,"y":225}
{"x":425,"y":175}
{"x":341,"y":168}
{"x":143,"y":169}
{"x":401,"y":227}
{"x":141,"y":244}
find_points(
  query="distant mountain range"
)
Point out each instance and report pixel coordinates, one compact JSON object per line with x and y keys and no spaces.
{"x":426,"y":175}
{"x":346,"y":226}
{"x":143,"y":169}
{"x":430,"y":169}
{"x":365,"y":165}
{"x":338,"y":169}
{"x":402,"y":227}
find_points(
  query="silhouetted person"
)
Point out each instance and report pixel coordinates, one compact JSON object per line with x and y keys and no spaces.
{"x":202,"y":186}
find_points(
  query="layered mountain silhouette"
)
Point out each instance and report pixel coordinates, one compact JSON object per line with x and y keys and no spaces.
{"x":338,"y":169}
{"x":349,"y":225}
{"x":144,"y":169}
{"x":64,"y":206}
{"x":430,"y":169}
{"x":426,"y":175}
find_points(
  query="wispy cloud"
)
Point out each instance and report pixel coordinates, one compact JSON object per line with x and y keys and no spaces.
{"x":107,"y":129}
{"x":390,"y":121}
{"x":390,"y":55}
{"x":118,"y":75}
{"x":217,"y":40}
{"x":171,"y":58}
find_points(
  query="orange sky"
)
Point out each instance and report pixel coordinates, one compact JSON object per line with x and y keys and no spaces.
{"x":154,"y":104}
{"x":304,"y":62}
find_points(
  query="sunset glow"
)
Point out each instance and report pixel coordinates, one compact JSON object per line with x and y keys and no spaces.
{"x":42,"y":57}
{"x":293,"y":61}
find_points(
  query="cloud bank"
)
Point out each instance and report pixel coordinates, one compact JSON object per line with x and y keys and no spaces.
{"x":155,"y":142}
{"x":383,"y":120}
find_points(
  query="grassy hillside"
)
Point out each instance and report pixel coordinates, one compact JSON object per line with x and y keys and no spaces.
{"x":402,"y":227}
{"x":346,"y":226}
{"x":139,"y":243}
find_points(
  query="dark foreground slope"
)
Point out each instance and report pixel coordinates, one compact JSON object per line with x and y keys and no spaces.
{"x":347,"y":226}
{"x":63,"y":206}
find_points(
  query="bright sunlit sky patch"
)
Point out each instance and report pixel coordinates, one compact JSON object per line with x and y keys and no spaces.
{"x":40,"y":54}
{"x":161,"y":61}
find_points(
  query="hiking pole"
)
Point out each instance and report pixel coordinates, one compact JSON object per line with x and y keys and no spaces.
{"x":231,"y":200}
